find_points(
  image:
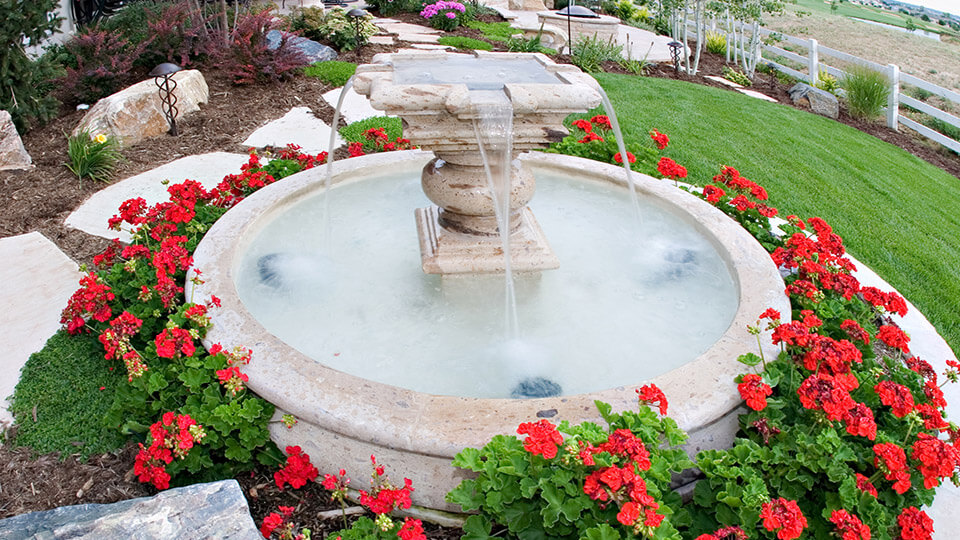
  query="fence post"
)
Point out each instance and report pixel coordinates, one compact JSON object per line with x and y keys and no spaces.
{"x":893,"y":101}
{"x":813,"y":66}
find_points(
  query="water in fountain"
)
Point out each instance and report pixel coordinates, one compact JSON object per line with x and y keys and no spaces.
{"x":629,"y":319}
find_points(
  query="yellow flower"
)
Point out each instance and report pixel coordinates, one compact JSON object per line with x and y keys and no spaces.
{"x":101,"y":138}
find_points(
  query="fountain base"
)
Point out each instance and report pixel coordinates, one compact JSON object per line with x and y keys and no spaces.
{"x":443,"y":251}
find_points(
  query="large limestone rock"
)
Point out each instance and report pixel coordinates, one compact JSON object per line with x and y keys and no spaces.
{"x":134,"y":114}
{"x":214,"y":510}
{"x":13,"y":156}
{"x":821,"y":102}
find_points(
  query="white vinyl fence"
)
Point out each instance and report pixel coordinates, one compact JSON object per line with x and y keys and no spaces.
{"x":813,"y":67}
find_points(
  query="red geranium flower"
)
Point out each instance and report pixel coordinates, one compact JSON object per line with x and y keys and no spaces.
{"x":650,"y":393}
{"x":659,"y":139}
{"x":849,"y":526}
{"x":754,"y":391}
{"x":784,"y":517}
{"x":915,"y":524}
{"x":543,"y":438}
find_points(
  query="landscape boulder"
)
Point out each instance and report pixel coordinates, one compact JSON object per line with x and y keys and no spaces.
{"x":315,"y":52}
{"x":134,"y":113}
{"x":214,"y":510}
{"x":13,"y":156}
{"x":821,"y":102}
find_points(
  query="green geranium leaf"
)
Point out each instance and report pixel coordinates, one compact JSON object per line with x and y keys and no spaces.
{"x":477,"y":528}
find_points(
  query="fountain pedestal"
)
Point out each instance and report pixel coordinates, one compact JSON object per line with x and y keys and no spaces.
{"x":441,"y":98}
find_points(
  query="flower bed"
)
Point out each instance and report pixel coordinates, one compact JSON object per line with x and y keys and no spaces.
{"x":843,"y":432}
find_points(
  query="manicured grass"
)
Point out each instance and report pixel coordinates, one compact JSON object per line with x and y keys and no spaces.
{"x":466,"y":43}
{"x":896,"y":213}
{"x":355,"y":132}
{"x":58,"y":404}
{"x":332,"y":72}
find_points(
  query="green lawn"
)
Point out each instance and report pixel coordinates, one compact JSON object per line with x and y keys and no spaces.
{"x":897,"y":213}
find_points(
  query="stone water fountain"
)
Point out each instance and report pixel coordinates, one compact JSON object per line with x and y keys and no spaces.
{"x":374,"y":356}
{"x":437,"y":95}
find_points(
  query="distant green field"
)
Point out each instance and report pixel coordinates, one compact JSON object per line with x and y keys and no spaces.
{"x":846,"y":9}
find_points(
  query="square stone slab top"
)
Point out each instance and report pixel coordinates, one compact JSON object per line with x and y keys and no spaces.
{"x":381,"y":40}
{"x":40,"y":279}
{"x":354,"y":107}
{"x":406,"y":28}
{"x":212,"y":510}
{"x":755,"y":94}
{"x":208,"y":169}
{"x":721,"y":80}
{"x":298,"y":126}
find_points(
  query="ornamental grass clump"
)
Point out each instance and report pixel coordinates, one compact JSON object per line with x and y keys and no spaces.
{"x":444,"y":15}
{"x":589,"y":53}
{"x":93,"y":156}
{"x":867,"y":91}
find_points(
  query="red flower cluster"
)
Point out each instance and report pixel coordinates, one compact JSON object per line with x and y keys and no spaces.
{"x":279,"y":523}
{"x":542,"y":438}
{"x":585,"y":125}
{"x":754,"y":391}
{"x":890,"y":301}
{"x":174,"y":342}
{"x":173,"y":436}
{"x":650,"y":394}
{"x":747,"y":194}
{"x":381,"y":143}
{"x":855,"y":331}
{"x":298,"y":470}
{"x":892,"y":461}
{"x":937,"y":458}
{"x":784,"y":517}
{"x":623,"y":484}
{"x":915,"y":524}
{"x":864,"y":485}
{"x":590,"y":137}
{"x":336,"y":485}
{"x":896,"y":396}
{"x":849,"y":526}
{"x":659,"y":139}
{"x":670,"y":169}
{"x":232,"y":379}
{"x":412,"y":529}
{"x":602,"y":120}
{"x":116,"y":344}
{"x":630,"y":158}
{"x":91,"y":300}
{"x":383,"y":497}
{"x":894,"y":337}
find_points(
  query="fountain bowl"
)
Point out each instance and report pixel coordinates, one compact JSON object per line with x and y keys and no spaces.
{"x":344,"y":419}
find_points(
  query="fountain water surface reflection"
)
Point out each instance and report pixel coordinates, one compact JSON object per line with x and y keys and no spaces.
{"x":627,"y":304}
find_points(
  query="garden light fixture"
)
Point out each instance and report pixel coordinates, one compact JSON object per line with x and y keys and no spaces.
{"x":166,"y":85}
{"x":357,"y":15}
{"x":675,"y":48}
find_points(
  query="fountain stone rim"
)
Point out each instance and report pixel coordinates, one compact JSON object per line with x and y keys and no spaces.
{"x":701,"y":392}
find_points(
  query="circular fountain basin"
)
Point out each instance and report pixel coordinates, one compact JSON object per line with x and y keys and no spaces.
{"x":414,"y":367}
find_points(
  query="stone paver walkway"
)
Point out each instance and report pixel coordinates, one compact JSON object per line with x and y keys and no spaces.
{"x":208,"y":169}
{"x":38,"y":279}
{"x":299,"y":124}
{"x":354,"y":108}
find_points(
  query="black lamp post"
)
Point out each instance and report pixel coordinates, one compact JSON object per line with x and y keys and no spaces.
{"x":166,"y":85}
{"x":675,"y":48}
{"x":357,"y":15}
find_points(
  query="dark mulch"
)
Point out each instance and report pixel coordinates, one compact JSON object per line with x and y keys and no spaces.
{"x":40,"y":199}
{"x":29,"y":483}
